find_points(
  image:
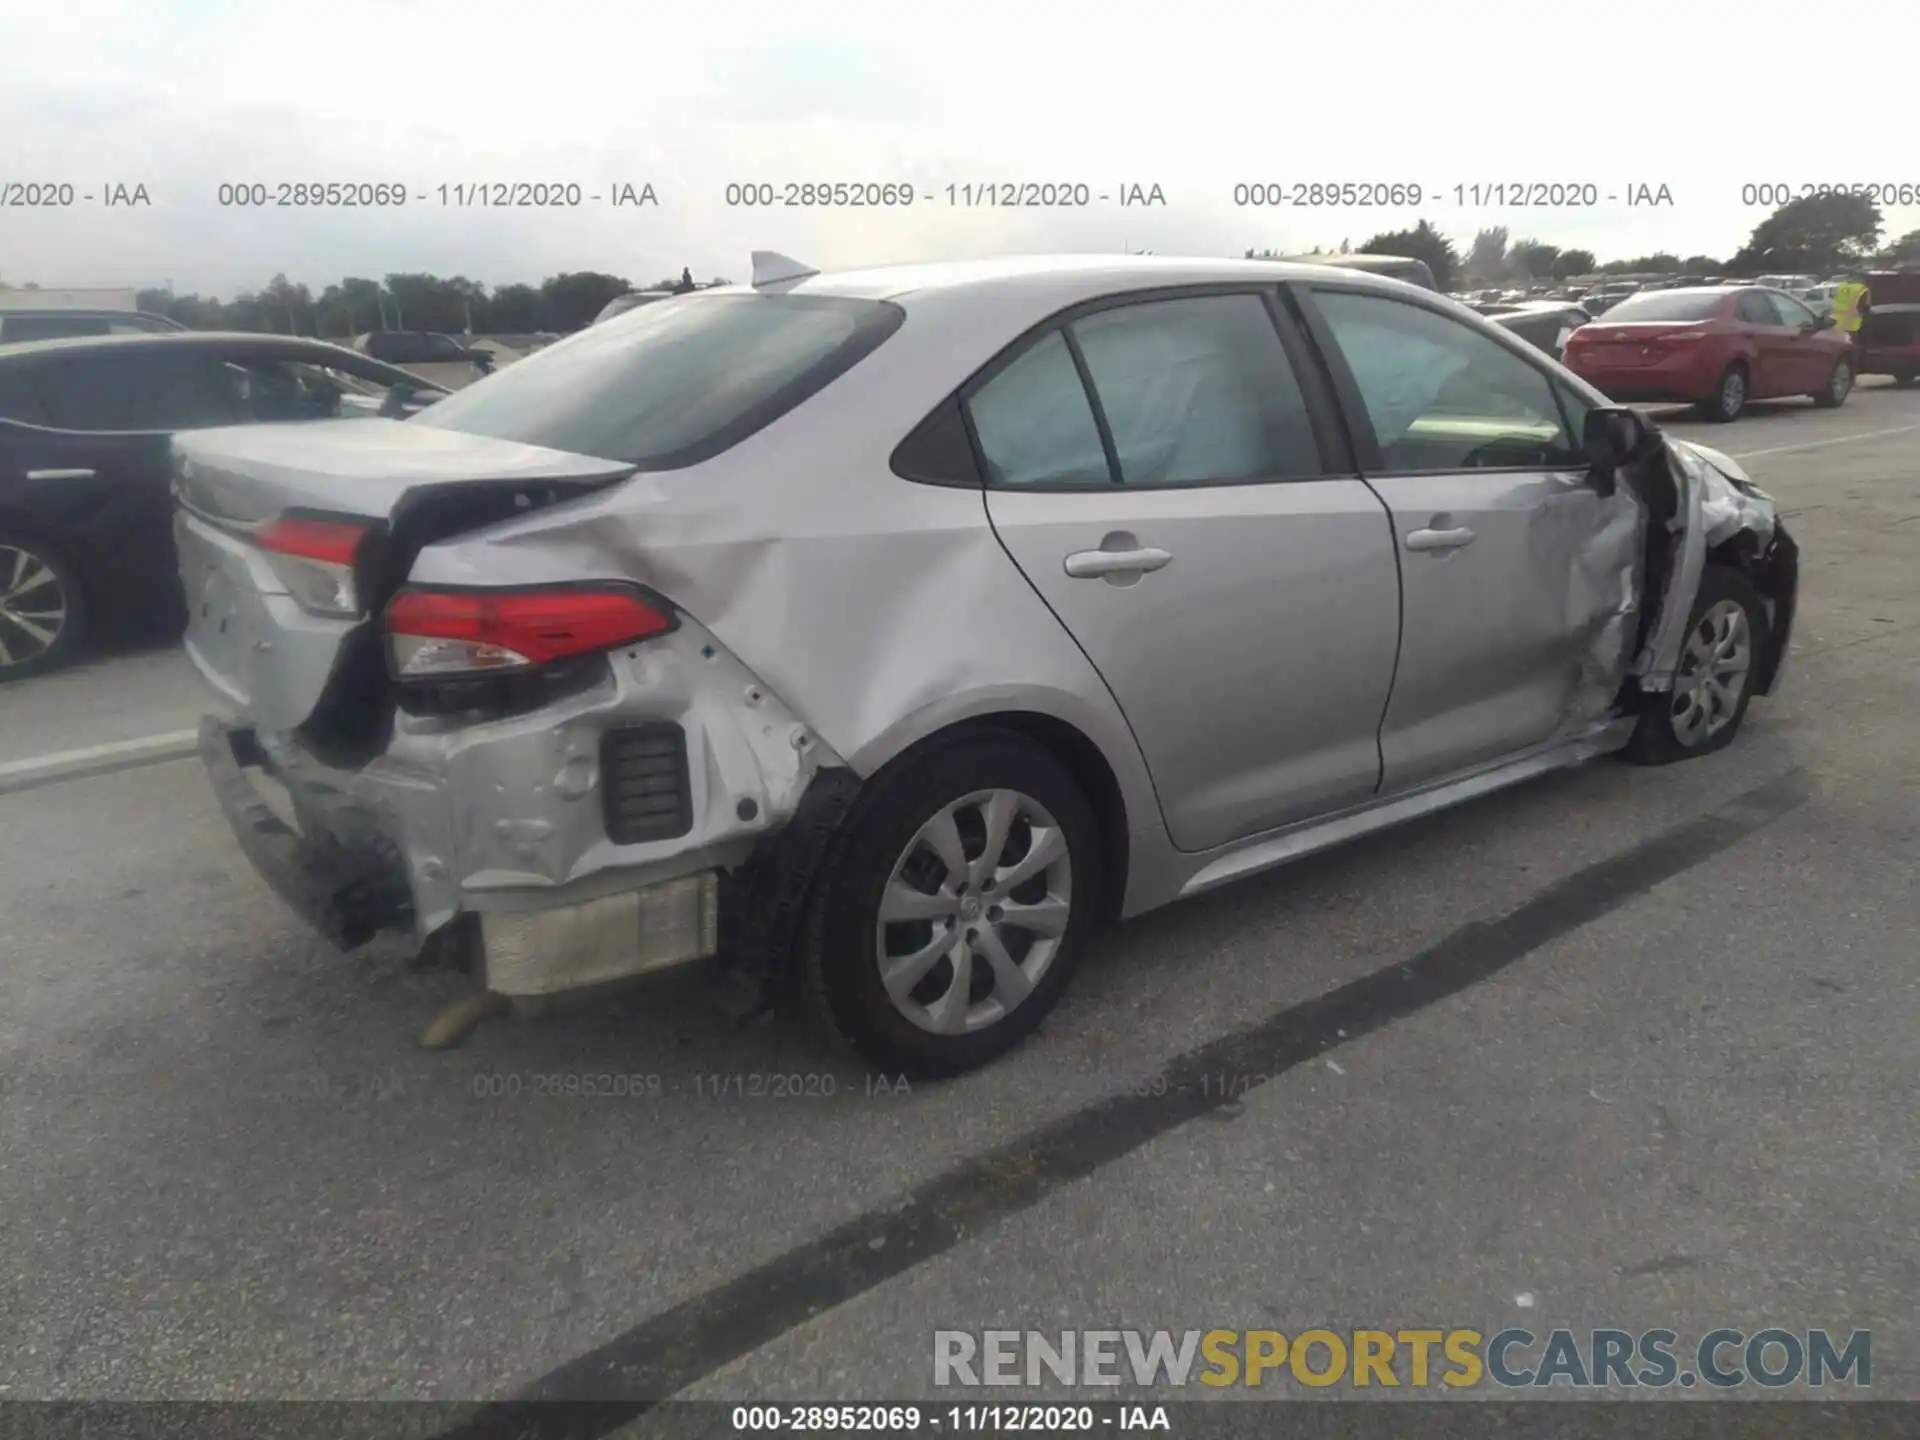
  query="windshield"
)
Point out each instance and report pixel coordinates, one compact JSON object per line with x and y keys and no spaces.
{"x":1666,"y":305}
{"x":673,"y":383}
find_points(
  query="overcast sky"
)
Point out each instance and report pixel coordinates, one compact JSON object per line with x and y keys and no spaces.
{"x":1195,"y":97}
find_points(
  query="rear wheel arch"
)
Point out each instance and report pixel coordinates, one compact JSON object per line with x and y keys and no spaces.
{"x":1077,"y":752}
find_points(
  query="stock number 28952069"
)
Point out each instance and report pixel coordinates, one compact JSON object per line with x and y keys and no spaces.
{"x":1316,"y":194}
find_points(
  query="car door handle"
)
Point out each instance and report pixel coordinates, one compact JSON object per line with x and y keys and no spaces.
{"x":1439,"y":539}
{"x":1094,"y":564}
{"x":60,"y":474}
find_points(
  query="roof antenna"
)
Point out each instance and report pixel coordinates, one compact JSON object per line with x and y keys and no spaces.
{"x":770,"y":267}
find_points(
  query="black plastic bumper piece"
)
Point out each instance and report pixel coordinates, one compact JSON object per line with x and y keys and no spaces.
{"x":764,"y":903}
{"x":1777,"y":577}
{"x":348,"y":895}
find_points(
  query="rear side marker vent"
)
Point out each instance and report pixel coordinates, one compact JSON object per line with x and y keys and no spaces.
{"x":643,"y":783}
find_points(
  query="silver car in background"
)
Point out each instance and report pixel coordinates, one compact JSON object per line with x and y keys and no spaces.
{"x":883,"y":633}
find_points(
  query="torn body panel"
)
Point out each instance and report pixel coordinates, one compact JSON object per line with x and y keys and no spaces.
{"x":507,"y":818}
{"x":1603,"y":605}
{"x":1714,"y":509}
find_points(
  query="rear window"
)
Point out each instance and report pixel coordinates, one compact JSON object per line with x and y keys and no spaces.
{"x":18,"y":329}
{"x":673,"y":383}
{"x":1666,"y":305}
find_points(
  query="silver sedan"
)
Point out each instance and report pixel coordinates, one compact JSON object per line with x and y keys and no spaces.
{"x":879,"y":635}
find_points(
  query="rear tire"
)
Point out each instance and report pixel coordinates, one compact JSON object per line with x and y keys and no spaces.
{"x":1838,"y":387}
{"x":1015,"y":944}
{"x":43,"y":612}
{"x":1714,"y":683}
{"x":1730,"y":395}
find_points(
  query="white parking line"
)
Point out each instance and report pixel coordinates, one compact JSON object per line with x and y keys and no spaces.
{"x":1816,"y":444}
{"x":96,"y":760}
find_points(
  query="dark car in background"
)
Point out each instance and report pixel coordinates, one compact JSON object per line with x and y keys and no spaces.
{"x":86,"y":524}
{"x":1890,"y":331}
{"x":20,"y":326}
{"x":1544,"y":324}
{"x":1603,"y":297}
{"x":1714,"y":347}
{"x":441,"y":360}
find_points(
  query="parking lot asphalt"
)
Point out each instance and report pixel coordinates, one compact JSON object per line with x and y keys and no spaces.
{"x":1626,"y":1047}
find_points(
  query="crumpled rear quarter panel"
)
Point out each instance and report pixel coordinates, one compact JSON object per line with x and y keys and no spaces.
{"x":879,"y":609}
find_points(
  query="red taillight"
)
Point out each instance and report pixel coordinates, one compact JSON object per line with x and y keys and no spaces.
{"x":334,"y":542}
{"x":314,"y":560}
{"x":435,"y":633}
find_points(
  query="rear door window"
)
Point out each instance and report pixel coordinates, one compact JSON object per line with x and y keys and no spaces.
{"x":19,"y":328}
{"x":146,"y":390}
{"x":1197,"y":391}
{"x":673,"y":385}
{"x":1035,"y":424}
{"x":20,"y":396}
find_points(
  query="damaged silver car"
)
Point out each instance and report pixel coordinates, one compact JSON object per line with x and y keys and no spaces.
{"x":881,"y":634}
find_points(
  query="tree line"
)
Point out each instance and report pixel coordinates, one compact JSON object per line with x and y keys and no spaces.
{"x":417,"y":301}
{"x":1818,"y":234}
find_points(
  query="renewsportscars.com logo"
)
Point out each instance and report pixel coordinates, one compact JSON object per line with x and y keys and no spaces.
{"x":1514,"y":1359}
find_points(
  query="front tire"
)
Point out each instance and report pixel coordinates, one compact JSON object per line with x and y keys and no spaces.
{"x":953,"y":907}
{"x":1714,"y":682}
{"x":42,"y":607}
{"x":1839,"y":385}
{"x":1730,"y":395}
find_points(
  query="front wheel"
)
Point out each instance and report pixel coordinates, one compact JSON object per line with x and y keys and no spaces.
{"x":1714,"y":682}
{"x":1839,"y":385}
{"x":42,"y":609}
{"x":953,"y":908}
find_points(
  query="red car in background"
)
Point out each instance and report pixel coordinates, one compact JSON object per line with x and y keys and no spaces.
{"x":1716,"y":347}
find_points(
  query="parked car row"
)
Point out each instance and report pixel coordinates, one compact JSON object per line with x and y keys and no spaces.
{"x":1721,"y":347}
{"x":1715,"y":347}
{"x":86,"y":548}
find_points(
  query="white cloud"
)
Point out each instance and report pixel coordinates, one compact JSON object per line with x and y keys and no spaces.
{"x":1194,"y":97}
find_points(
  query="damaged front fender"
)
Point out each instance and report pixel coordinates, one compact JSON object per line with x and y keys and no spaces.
{"x":1716,"y":511}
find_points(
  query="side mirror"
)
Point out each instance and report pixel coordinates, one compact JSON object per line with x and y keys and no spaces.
{"x":1824,"y":322}
{"x":1615,"y":437}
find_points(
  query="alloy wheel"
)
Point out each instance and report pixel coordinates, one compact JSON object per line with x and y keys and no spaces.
{"x":1714,"y":668}
{"x":33,"y":606}
{"x":1841,"y":383}
{"x":1733,"y":393}
{"x":974,"y":912}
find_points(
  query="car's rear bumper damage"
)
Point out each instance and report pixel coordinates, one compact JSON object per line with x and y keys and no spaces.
{"x":650,"y":822}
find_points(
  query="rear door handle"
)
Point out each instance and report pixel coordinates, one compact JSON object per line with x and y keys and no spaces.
{"x":1095,"y":564}
{"x":1439,"y":539}
{"x":60,"y":474}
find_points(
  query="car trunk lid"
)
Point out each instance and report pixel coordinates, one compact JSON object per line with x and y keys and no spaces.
{"x":1637,"y":342}
{"x":248,"y":633}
